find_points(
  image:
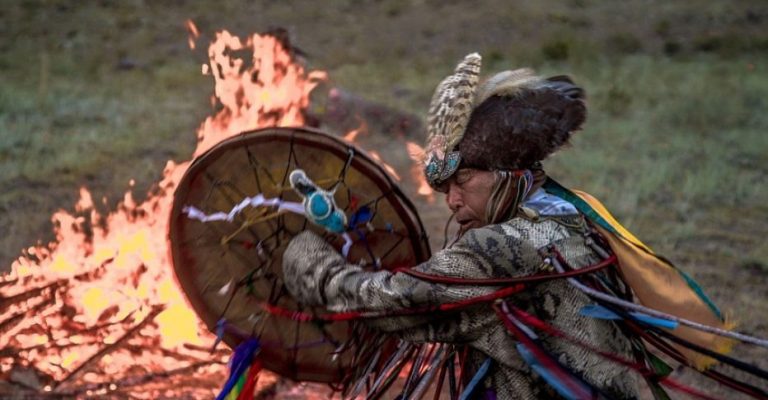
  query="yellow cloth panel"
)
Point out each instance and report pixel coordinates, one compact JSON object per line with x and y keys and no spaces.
{"x":659,"y":286}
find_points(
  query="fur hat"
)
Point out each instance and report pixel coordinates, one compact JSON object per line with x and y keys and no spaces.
{"x":511,"y":121}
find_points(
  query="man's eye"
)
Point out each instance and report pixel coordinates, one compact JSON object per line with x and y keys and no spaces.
{"x":463,"y":178}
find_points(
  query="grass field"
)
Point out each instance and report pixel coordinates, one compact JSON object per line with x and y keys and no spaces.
{"x":100,"y":93}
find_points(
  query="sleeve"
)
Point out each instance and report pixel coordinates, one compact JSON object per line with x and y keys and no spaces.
{"x":317,"y":275}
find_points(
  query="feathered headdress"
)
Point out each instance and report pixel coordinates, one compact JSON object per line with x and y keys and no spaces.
{"x":522,"y":119}
{"x":449,"y":113}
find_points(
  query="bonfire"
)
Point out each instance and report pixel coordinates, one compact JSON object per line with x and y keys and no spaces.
{"x":98,"y":310}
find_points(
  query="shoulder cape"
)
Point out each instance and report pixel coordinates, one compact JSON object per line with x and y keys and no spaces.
{"x":655,"y":281}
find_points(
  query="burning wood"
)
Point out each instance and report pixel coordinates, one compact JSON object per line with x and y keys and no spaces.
{"x":108,"y":349}
{"x":15,"y":319}
{"x":7,"y":302}
{"x":122,"y":327}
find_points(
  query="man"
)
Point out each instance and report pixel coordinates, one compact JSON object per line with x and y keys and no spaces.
{"x":485,"y":144}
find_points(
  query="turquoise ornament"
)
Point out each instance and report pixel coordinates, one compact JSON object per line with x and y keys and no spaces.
{"x":319,"y":206}
{"x":439,"y":170}
{"x":336,"y":222}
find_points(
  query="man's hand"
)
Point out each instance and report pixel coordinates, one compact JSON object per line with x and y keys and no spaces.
{"x":308,"y":263}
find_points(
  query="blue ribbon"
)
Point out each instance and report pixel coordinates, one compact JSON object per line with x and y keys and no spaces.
{"x":241,"y":360}
{"x":600,"y":312}
{"x":479,"y":375}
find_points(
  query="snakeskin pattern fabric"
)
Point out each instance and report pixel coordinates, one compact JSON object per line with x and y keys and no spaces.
{"x":318,"y":275}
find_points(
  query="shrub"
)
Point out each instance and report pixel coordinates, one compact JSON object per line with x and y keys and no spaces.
{"x":624,"y":43}
{"x":671,"y":47}
{"x":556,"y":50}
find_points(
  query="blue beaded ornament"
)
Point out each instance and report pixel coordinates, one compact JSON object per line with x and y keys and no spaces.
{"x":319,"y":205}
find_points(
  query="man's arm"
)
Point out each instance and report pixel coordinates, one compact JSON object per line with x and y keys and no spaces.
{"x":316,"y":274}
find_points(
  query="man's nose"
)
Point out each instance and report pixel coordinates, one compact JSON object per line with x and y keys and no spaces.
{"x":453,"y":198}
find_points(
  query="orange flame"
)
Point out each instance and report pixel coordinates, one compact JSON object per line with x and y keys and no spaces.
{"x":375,"y":155}
{"x":416,"y":153}
{"x":276,"y":98}
{"x":193,"y":33}
{"x":112,"y":271}
{"x":352,"y":135}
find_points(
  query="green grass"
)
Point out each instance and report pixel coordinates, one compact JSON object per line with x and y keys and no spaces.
{"x":98,"y":93}
{"x":673,"y":144}
{"x":74,"y":127}
{"x":110,"y":91}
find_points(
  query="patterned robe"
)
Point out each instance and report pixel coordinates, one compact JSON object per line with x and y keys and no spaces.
{"x":318,"y":275}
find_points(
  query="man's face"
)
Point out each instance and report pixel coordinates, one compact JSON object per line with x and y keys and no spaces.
{"x":467,"y":193}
